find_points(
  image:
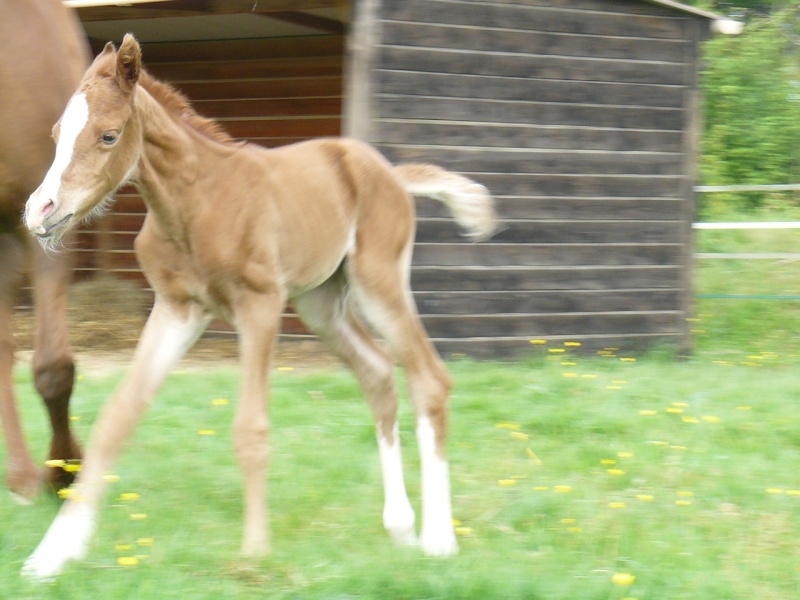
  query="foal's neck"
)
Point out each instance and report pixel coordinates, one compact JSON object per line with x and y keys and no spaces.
{"x":168,"y":166}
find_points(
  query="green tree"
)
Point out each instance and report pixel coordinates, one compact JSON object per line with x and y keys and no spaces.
{"x":752,"y":90}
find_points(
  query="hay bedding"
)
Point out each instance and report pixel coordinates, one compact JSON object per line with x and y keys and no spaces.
{"x":106,"y":316}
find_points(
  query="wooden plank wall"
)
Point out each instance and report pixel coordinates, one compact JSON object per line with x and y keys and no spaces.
{"x":578,"y":116}
{"x":271,"y":92}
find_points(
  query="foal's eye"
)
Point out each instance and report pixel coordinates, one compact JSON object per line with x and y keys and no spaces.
{"x":109,"y":137}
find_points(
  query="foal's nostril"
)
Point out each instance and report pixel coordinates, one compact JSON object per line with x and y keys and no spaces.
{"x":48,"y":208}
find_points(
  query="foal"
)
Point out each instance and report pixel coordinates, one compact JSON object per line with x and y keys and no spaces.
{"x":236,"y":230}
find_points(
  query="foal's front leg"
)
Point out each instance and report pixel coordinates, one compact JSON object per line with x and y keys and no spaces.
{"x":258,"y":322}
{"x":167,"y":336}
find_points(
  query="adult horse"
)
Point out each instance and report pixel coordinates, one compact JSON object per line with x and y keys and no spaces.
{"x":42,"y":58}
{"x":237,"y":230}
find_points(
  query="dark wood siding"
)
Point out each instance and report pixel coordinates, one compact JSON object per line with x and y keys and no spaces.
{"x":579,"y":116}
{"x":271,"y":92}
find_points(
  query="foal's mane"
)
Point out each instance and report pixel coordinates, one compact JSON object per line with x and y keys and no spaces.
{"x":173,"y":101}
{"x":178,"y":105}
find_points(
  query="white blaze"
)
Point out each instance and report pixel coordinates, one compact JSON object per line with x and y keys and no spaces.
{"x":73,"y":121}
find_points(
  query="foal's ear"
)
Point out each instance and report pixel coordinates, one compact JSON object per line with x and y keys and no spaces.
{"x":108,"y":48}
{"x":129,"y":63}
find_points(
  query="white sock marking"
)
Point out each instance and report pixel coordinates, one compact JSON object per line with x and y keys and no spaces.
{"x":398,"y":516}
{"x":438,"y":537}
{"x":66,"y":540}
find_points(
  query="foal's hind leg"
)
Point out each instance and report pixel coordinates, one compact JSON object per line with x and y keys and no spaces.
{"x":22,"y":476}
{"x":380,"y":282}
{"x":328,"y":312}
{"x":53,"y":365}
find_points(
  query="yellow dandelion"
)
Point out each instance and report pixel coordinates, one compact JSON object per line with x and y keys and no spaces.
{"x":689,"y":419}
{"x":570,"y":375}
{"x":679,"y":448}
{"x":683,"y":404}
{"x":556,"y":350}
{"x":645,"y":497}
{"x":627,"y":359}
{"x":532,"y":455}
{"x":775,"y":490}
{"x":563,"y":489}
{"x":145,"y":542}
{"x":72,"y":467}
{"x":625,"y":454}
{"x":129,"y":497}
{"x":138,"y":517}
{"x":674,"y":410}
{"x":614,"y":387}
{"x":615,"y":472}
{"x":285,"y":368}
{"x":66,"y":493}
{"x":463,"y":531}
{"x":111,"y":477}
{"x":623,"y":579}
{"x":123,"y":547}
{"x":456,"y":522}
{"x":608,"y":461}
{"x":568,"y":363}
{"x":575,"y":529}
{"x":648,"y":412}
{"x":572,"y":344}
{"x":220,"y":402}
{"x":127,"y":561}
{"x":793,"y":492}
{"x":505,"y":425}
{"x":684,"y":493}
{"x":711,"y":419}
{"x":74,"y":418}
{"x":538,"y":342}
{"x":744,"y":408}
{"x":518,"y":435}
{"x":683,"y":502}
{"x":617,"y":505}
{"x":506,"y":482}
{"x":206,"y":432}
{"x":568,"y":521}
{"x":54,"y":464}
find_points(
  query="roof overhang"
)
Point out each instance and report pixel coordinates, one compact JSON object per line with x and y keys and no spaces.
{"x":719,"y":23}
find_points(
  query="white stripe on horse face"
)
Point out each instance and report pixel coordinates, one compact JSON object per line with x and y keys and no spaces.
{"x":73,"y":121}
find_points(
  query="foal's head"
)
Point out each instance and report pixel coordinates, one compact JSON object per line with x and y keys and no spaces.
{"x":98,"y":141}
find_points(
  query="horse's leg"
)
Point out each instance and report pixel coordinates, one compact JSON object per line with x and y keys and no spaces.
{"x":167,"y":335}
{"x":328,"y":312}
{"x":22,"y":476}
{"x":258,"y":318}
{"x":53,"y":366}
{"x":380,"y":282}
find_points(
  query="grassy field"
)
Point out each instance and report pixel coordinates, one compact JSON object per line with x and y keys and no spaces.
{"x":583,"y":478}
{"x":569,"y":474}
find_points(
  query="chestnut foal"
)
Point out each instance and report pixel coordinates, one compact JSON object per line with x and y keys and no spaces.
{"x":237,"y":230}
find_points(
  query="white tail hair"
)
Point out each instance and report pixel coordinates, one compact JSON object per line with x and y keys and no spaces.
{"x":470,"y":203}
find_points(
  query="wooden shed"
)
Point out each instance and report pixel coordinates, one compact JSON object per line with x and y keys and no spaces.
{"x":581,"y":116}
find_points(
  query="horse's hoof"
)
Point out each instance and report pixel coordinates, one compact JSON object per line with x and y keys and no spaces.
{"x":24,"y":485}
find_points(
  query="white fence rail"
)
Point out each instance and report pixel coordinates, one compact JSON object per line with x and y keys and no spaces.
{"x":779,"y":256}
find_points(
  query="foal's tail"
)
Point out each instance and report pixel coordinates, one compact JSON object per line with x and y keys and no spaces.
{"x":470,"y":203}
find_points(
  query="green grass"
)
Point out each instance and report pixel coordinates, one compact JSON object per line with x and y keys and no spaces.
{"x":698,"y":504}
